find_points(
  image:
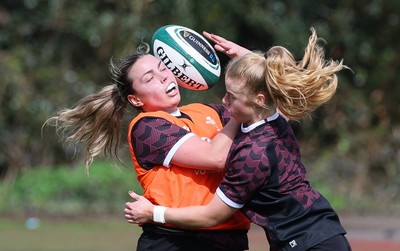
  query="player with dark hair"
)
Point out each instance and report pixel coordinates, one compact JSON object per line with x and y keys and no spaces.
{"x":179,"y":152}
{"x":265,"y":177}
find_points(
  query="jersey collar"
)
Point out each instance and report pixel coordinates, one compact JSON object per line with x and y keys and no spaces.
{"x":258,"y":123}
{"x":176,"y":113}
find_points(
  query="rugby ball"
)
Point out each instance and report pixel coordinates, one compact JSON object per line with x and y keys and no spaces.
{"x":189,"y":56}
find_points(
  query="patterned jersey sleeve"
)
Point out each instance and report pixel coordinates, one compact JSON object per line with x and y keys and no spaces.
{"x":223,"y":113}
{"x":153,"y":138}
{"x":247,"y":172}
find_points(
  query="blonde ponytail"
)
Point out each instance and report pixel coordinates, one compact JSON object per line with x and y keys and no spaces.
{"x":95,"y":121}
{"x":300,"y":87}
{"x":294,"y":88}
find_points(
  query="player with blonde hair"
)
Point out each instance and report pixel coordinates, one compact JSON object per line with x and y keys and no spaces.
{"x":265,"y":178}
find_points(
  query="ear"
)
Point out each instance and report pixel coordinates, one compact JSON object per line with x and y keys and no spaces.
{"x":260,"y":99}
{"x":135,"y":101}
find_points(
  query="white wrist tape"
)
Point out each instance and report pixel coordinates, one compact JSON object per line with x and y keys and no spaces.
{"x":158,"y":214}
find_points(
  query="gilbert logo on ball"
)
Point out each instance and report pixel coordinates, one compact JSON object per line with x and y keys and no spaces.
{"x":188,"y":55}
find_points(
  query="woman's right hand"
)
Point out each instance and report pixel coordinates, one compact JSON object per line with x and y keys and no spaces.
{"x":140,"y":211}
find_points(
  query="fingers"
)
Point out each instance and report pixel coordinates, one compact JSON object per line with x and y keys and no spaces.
{"x":131,"y":220}
{"x":134,"y":195}
{"x":130,"y":217}
{"x":222,"y":49}
{"x":221,"y":44}
{"x":210,"y":36}
{"x":215,"y":38}
{"x":128,"y":214}
{"x":129,"y":210}
{"x":206,"y":34}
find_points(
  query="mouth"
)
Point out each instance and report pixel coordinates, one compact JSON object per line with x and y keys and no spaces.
{"x":171,"y":87}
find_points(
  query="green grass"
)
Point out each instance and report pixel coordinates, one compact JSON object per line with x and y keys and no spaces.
{"x":69,"y":235}
{"x":97,"y":234}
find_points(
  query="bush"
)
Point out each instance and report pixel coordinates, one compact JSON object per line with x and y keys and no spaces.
{"x":69,"y":191}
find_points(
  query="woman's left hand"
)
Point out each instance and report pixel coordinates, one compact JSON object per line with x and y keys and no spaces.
{"x":225,"y":46}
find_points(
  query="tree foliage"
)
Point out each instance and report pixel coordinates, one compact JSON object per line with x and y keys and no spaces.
{"x":54,"y":52}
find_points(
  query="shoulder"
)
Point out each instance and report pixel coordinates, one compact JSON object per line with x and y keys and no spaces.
{"x":150,"y":123}
{"x":256,"y":146}
{"x":219,"y":108}
{"x":147,"y":120}
{"x":222,"y":112}
{"x":151,"y":116}
{"x":206,"y":107}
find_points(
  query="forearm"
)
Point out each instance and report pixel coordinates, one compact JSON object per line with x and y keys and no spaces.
{"x":191,"y":217}
{"x":195,"y":152}
{"x":222,"y":142}
{"x":212,"y":214}
{"x":229,"y":130}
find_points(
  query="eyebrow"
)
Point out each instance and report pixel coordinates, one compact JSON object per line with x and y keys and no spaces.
{"x":149,"y":71}
{"x":235,"y":93}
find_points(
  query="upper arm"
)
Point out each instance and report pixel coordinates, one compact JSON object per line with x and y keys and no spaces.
{"x":245,"y":176}
{"x":153,"y":138}
{"x":202,"y":152}
{"x":199,"y":154}
{"x":157,"y":141}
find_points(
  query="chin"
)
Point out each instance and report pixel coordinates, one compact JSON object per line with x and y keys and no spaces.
{"x":237,"y":120}
{"x":176,"y":103}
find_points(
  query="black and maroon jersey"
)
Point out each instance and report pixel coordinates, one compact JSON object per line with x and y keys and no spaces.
{"x":267,"y":180}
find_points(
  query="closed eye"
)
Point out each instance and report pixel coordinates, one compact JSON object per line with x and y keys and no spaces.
{"x":148,"y":78}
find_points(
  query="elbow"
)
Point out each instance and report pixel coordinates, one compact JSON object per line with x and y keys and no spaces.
{"x":205,"y":223}
{"x":215,"y":221}
{"x":220,"y":162}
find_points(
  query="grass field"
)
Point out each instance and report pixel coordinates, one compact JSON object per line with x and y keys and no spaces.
{"x":103,"y":234}
{"x":113,"y":233}
{"x":68,"y":235}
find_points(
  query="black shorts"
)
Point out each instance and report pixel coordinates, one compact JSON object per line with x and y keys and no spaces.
{"x":335,"y":243}
{"x":156,"y":238}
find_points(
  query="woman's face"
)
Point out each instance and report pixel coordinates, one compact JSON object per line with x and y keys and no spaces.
{"x":237,"y":102}
{"x":154,"y":86}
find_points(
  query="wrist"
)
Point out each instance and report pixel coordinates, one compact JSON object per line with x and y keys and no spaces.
{"x":159,"y":214}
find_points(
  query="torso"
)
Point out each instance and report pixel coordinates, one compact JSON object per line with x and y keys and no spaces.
{"x":265,"y":175}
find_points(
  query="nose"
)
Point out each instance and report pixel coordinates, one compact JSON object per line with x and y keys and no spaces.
{"x":224,"y":100}
{"x":162,"y":77}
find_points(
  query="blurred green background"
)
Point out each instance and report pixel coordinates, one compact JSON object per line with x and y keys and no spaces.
{"x":54,"y":52}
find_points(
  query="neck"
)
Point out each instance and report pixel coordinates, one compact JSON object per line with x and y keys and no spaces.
{"x":263,"y":114}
